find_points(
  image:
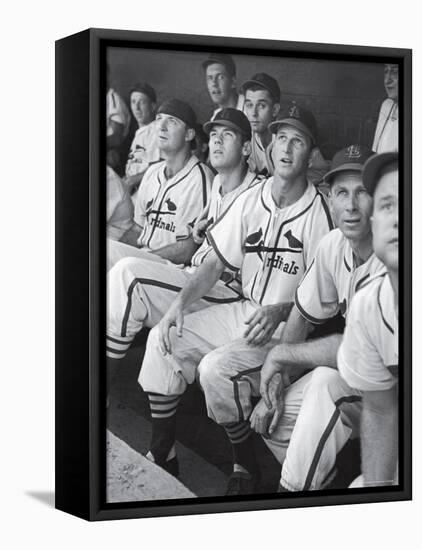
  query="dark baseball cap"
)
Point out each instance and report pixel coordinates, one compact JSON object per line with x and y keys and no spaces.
{"x":145,"y":88}
{"x":351,"y":158}
{"x":222,"y":58}
{"x":264,"y":81}
{"x":376,"y":166}
{"x":179,"y":109}
{"x":232,"y":118}
{"x":299,"y":117}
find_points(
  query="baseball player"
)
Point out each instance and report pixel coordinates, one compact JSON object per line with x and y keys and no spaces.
{"x":119,"y":206}
{"x":144,"y":148}
{"x":321,"y":412}
{"x":117,"y":127}
{"x":262,"y":104}
{"x":173,"y":192}
{"x":268,"y":236}
{"x":220,"y":74}
{"x":387,"y":131}
{"x":140,"y":291}
{"x":368,"y":356}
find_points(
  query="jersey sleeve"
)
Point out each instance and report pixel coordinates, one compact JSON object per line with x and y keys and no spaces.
{"x":227,"y":235}
{"x":358,"y":359}
{"x":319,"y":225}
{"x":139,"y":216}
{"x":316,"y":296}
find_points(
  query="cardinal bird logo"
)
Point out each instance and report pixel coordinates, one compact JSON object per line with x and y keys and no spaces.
{"x":343,"y":307}
{"x":170,"y":205}
{"x":254,"y":238}
{"x":293,"y":241}
{"x":149,"y":203}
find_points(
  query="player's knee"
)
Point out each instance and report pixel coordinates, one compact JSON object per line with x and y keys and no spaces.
{"x":209,"y":371}
{"x":323,"y":378}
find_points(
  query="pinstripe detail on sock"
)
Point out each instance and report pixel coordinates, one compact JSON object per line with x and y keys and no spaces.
{"x":163,"y":406}
{"x":238,"y":432}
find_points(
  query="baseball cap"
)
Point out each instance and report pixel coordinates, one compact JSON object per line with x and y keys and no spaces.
{"x":374,"y":167}
{"x":233,"y":118}
{"x":299,"y":117}
{"x":179,"y":109}
{"x":145,"y":88}
{"x":222,"y":58}
{"x":265,"y":81}
{"x":351,"y":158}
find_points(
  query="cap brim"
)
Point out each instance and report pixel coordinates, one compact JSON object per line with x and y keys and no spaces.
{"x":353,"y":166}
{"x":221,"y":122}
{"x":373,"y":166}
{"x":291,"y":122}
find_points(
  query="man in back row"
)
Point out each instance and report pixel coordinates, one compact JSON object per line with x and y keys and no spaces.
{"x":173,"y":192}
{"x":267,"y":235}
{"x":220,"y":75}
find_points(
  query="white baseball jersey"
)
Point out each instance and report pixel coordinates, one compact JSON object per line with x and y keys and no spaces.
{"x":332,"y":279}
{"x":219,"y":204}
{"x":165,"y":207}
{"x":368,"y":356}
{"x":116,"y":111}
{"x":119,"y":206}
{"x":258,"y":159}
{"x":271,"y":247}
{"x":387,"y":131}
{"x":143,"y":150}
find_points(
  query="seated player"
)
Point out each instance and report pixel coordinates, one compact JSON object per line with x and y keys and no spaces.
{"x":173,"y":192}
{"x":220,"y":74}
{"x":267,"y":236}
{"x":262,"y":104}
{"x":387,"y":131}
{"x":144,"y":148}
{"x":140,"y":291}
{"x":119,"y":206}
{"x":368,"y":356}
{"x":117,"y":127}
{"x":307,"y":423}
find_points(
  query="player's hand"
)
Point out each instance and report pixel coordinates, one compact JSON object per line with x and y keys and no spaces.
{"x":130,"y":182}
{"x":198,"y":231}
{"x":173,"y":317}
{"x":263,"y":323}
{"x":263,"y":419}
{"x":273,"y":367}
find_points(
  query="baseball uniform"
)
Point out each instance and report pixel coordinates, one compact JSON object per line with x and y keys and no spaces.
{"x":307,"y":443}
{"x":258,"y":158}
{"x":165,"y":208}
{"x":368,"y":356}
{"x":116,"y":111}
{"x":119,"y":206}
{"x":143,"y":150}
{"x":386,"y":137}
{"x":140,"y":291}
{"x":271,"y":248}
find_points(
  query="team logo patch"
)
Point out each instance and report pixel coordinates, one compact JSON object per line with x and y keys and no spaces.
{"x":292,"y":240}
{"x":256,"y":242}
{"x":354,"y":152}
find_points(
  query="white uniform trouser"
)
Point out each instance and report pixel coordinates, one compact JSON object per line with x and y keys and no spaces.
{"x":117,"y":250}
{"x":321,"y":413}
{"x":213,"y":350}
{"x":139,"y":293}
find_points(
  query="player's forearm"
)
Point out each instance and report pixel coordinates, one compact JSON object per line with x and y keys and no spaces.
{"x":308,"y":355}
{"x":132,"y":235}
{"x":180,"y":252}
{"x":379,"y":435}
{"x":297,"y":327}
{"x":201,"y":282}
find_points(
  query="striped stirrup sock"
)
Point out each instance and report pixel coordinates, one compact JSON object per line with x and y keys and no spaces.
{"x":116,"y":348}
{"x":163,"y":415}
{"x":243,"y":451}
{"x":238,"y":432}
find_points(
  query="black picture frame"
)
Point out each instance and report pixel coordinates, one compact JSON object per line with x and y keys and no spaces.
{"x":80,"y":268}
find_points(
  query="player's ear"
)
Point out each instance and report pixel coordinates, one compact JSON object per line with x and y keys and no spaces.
{"x":233,"y":82}
{"x":276,"y":109}
{"x":311,"y":154}
{"x":190,"y":134}
{"x":246,"y":149}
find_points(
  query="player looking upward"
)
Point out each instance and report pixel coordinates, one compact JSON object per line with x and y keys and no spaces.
{"x":368,"y":356}
{"x":267,"y":236}
{"x":306,"y":423}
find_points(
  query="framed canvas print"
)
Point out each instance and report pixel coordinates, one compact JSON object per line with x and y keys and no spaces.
{"x":233,"y":274}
